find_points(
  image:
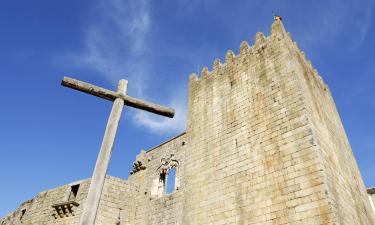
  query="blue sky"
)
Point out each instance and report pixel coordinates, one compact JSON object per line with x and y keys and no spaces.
{"x":50,"y":135}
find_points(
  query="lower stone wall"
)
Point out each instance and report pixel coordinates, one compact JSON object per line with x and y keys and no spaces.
{"x":64,"y":205}
{"x":39,"y":210}
{"x":117,"y":205}
{"x":154,"y":206}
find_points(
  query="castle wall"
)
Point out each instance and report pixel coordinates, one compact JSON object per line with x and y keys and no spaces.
{"x":248,"y":155}
{"x":39,"y":209}
{"x":253,"y":159}
{"x":154,"y":206}
{"x":346,"y":190}
{"x":118,"y":202}
{"x":117,"y":194}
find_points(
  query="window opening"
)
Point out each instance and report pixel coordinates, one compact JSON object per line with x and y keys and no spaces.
{"x":73,"y":192}
{"x":22,"y":214}
{"x":171,"y":181}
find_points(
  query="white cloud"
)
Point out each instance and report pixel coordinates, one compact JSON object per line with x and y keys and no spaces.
{"x":116,"y":46}
{"x":116,"y":40}
{"x":162,"y":125}
{"x":363,"y":23}
{"x":132,"y":20}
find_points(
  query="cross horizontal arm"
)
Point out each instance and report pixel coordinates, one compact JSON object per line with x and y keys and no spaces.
{"x":111,"y":95}
{"x":89,"y":88}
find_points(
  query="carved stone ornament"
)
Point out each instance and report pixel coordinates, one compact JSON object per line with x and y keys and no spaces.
{"x":168,"y":162}
{"x":64,"y":209}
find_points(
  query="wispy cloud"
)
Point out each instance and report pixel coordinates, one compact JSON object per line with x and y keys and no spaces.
{"x":116,"y":40}
{"x":116,"y":46}
{"x":362,"y":24}
{"x":336,"y":17}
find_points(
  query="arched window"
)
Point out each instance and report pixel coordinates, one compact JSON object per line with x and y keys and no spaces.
{"x":167,"y":179}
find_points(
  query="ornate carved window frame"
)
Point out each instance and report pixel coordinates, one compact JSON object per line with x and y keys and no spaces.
{"x":161,"y":176}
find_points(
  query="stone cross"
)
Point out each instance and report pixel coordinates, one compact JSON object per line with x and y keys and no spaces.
{"x":119,"y":99}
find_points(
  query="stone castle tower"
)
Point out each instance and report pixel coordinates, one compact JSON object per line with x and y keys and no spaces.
{"x":264,"y":145}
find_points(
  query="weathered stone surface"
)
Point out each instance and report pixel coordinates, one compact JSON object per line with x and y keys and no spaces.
{"x":111,"y":95}
{"x":118,"y":198}
{"x":264,"y":145}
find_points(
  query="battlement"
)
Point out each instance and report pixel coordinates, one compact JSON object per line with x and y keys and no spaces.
{"x":251,"y":54}
{"x":247,"y":53}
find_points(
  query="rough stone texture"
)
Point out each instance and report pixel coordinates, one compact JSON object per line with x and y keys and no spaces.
{"x":116,"y":205}
{"x":264,"y":145}
{"x":371,"y":192}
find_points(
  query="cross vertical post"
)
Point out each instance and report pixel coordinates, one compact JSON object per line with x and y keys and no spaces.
{"x":97,"y":181}
{"x":119,"y":98}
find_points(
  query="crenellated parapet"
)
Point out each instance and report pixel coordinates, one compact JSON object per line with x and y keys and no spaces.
{"x":238,"y":80}
{"x":276,"y":42}
{"x":246,"y":54}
